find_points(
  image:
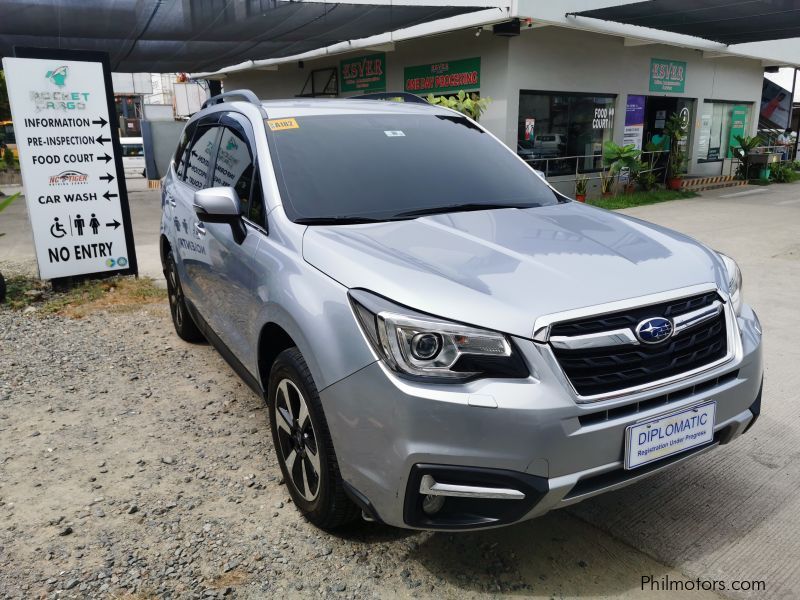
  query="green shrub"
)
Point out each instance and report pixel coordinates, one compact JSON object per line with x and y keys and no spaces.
{"x":647,"y":179}
{"x":470,"y":105}
{"x":8,"y":157}
{"x":783,"y":173}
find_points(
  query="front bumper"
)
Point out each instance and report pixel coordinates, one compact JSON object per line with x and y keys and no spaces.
{"x":387,"y":431}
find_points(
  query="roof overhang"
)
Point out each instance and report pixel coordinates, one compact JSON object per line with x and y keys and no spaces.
{"x":157,"y":36}
{"x":725,"y":21}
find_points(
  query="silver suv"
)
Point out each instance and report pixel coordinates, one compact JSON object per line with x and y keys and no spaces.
{"x":444,"y":341}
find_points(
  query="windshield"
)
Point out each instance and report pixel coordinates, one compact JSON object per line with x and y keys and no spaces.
{"x":379,"y":167}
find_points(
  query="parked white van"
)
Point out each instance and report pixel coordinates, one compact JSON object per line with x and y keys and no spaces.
{"x":133,"y":156}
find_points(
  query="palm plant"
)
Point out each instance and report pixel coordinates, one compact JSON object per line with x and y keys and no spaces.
{"x":742,"y":153}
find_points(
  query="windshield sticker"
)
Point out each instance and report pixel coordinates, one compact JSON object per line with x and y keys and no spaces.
{"x":281,"y":124}
{"x":394,"y":134}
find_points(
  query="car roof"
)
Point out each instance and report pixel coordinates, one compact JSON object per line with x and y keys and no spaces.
{"x":299,"y":107}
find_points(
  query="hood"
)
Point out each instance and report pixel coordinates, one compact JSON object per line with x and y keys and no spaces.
{"x":501,"y":269}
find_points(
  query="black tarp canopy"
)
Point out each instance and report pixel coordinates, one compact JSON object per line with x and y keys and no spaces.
{"x":725,"y":21}
{"x":163,"y":36}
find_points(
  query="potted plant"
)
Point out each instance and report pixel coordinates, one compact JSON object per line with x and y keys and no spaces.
{"x":634,"y":171}
{"x":676,"y":132}
{"x":581,"y":183}
{"x":606,"y":181}
{"x":622,"y":159}
{"x":742,"y":153}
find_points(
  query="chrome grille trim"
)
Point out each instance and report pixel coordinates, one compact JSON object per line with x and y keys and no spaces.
{"x":544,"y":324}
{"x":696,"y":317}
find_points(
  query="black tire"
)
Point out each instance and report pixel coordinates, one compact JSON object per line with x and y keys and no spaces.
{"x":185,"y":326}
{"x":325,"y":504}
{"x":2,"y":289}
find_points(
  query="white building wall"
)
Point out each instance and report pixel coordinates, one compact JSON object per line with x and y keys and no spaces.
{"x":564,"y":60}
{"x":288,"y":80}
{"x":553,"y":59}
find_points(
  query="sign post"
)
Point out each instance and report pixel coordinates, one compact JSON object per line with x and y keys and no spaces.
{"x":62,"y":107}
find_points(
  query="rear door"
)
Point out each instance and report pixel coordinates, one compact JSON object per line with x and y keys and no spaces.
{"x":231,"y":273}
{"x":190,"y":246}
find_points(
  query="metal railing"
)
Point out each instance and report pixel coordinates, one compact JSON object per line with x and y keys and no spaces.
{"x":786,"y":153}
{"x":591,"y":165}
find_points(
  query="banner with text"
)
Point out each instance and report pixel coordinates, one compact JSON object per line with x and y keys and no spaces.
{"x":667,"y":75}
{"x":444,"y":77}
{"x":60,"y":111}
{"x":363,"y":74}
{"x":634,"y":121}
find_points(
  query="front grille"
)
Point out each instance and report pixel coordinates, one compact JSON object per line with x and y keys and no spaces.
{"x":594,"y":371}
{"x":664,"y":400}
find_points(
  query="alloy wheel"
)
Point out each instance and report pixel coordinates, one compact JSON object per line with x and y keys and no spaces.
{"x":174,"y":294}
{"x":297,"y":439}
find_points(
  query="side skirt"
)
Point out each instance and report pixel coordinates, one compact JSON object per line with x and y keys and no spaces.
{"x":225,"y":352}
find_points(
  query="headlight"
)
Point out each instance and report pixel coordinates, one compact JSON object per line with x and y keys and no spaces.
{"x":734,"y":280}
{"x":417,"y":345}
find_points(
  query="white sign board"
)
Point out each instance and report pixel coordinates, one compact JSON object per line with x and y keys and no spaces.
{"x":69,"y":168}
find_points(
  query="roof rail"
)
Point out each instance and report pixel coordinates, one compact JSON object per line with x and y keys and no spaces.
{"x":248,"y":95}
{"x":406,"y":96}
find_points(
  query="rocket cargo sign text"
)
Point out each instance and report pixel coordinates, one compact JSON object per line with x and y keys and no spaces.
{"x":442,"y":77}
{"x":66,"y":153}
{"x":363,"y":74}
{"x":667,"y":75}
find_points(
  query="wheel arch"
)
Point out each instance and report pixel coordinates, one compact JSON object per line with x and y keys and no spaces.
{"x":272,"y":340}
{"x":163,"y":247}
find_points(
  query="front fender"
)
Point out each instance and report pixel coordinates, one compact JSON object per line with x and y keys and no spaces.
{"x":314,"y":310}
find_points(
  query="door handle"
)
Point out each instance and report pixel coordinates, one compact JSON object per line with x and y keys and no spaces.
{"x":199,"y":229}
{"x":171,"y":201}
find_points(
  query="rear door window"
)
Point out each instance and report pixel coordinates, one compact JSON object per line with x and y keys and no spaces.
{"x":200,"y":156}
{"x":183,"y":146}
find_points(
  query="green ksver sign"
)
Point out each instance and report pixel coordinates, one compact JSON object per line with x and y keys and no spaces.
{"x":667,"y":75}
{"x":363,"y":73}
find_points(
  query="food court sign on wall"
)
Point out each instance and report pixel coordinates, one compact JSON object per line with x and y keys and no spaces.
{"x":667,"y":75}
{"x":442,"y":77}
{"x":363,"y":73}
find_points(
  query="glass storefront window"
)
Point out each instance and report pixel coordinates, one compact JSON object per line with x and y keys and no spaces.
{"x":559,"y":132}
{"x":720,"y":123}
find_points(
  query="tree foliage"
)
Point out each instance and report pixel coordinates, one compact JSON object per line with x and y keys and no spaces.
{"x":470,"y":105}
{"x":5,"y":107}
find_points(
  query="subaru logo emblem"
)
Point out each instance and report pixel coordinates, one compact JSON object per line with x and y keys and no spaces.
{"x":654,"y":330}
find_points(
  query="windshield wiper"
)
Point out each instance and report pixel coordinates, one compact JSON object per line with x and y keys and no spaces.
{"x":336,"y":220}
{"x":435,"y":210}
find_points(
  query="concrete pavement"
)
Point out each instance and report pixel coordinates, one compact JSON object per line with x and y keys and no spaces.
{"x":730,"y":515}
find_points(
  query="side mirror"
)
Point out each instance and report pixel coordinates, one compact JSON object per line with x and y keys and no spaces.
{"x":221,"y":205}
{"x":217,"y":205}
